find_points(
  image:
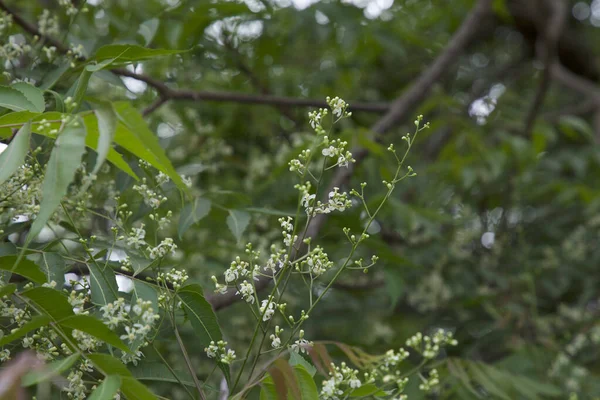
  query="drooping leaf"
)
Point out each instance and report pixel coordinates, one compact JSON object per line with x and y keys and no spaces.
{"x":53,"y":302}
{"x":134,"y":135}
{"x":128,"y":53}
{"x":60,"y":171}
{"x":50,"y":370}
{"x":284,"y":377}
{"x":237,"y":222}
{"x":95,"y":328}
{"x":33,"y":94}
{"x":202,"y":317}
{"x":107,"y":389}
{"x":107,"y":125}
{"x":34,"y":323}
{"x":53,"y":265}
{"x":192,"y":213}
{"x":267,"y":389}
{"x":15,"y":100}
{"x":25,"y":268}
{"x":14,"y":155}
{"x":103,"y":282}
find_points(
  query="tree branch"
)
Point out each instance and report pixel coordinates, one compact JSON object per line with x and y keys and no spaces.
{"x":548,"y":49}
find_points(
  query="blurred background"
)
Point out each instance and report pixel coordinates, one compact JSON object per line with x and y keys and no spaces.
{"x":497,"y":236}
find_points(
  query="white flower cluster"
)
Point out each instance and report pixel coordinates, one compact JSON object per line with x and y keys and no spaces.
{"x":315,"y":119}
{"x":21,"y":193}
{"x":316,"y":263}
{"x":430,"y":382}
{"x":166,"y":246}
{"x":114,"y":313}
{"x":268,"y":307}
{"x":301,"y":345}
{"x":6,"y":21}
{"x":246,"y":290}
{"x":337,"y":201}
{"x":219,"y":350}
{"x":48,"y":23}
{"x":14,"y":48}
{"x":86,"y":342}
{"x":275,"y":337}
{"x":150,"y":197}
{"x":429,"y":347}
{"x":336,"y":149}
{"x":175,"y":277}
{"x":342,"y":378}
{"x":338,"y":107}
{"x":287,"y":229}
{"x":136,"y":237}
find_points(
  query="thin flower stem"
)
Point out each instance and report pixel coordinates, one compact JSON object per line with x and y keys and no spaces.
{"x":186,"y":357}
{"x":166,"y":363}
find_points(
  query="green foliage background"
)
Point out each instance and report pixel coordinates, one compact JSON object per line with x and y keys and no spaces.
{"x":495,"y":239}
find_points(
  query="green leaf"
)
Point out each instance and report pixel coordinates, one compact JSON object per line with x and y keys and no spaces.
{"x":308,"y":388}
{"x":49,"y":371}
{"x":129,"y":53}
{"x":58,"y":100}
{"x":297,"y":359}
{"x":25,"y":268}
{"x":135,"y":390}
{"x":107,"y":389}
{"x":51,"y":301}
{"x":7,"y":289}
{"x":267,"y":389}
{"x":91,"y":141}
{"x":146,"y":292}
{"x":60,"y":171}
{"x":138,"y":139}
{"x":53,"y":265}
{"x":84,"y":80}
{"x":14,"y":120}
{"x":107,"y":125}
{"x":367,"y":390}
{"x":148,"y":30}
{"x":192,"y":213}
{"x":238,"y":221}
{"x":202,"y":317}
{"x":34,"y":323}
{"x":33,"y":94}
{"x":53,"y":76}
{"x":14,"y":155}
{"x":96,"y":328}
{"x":131,"y":388}
{"x":15,"y":100}
{"x":284,"y":377}
{"x":109,"y":365}
{"x":103,"y":283}
{"x":484,"y":380}
{"x":153,"y":371}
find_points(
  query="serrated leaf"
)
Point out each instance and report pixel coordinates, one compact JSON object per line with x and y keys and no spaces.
{"x":107,"y":389}
{"x":95,"y":328}
{"x":128,"y":52}
{"x":60,"y":171}
{"x":26,"y":268}
{"x":134,"y":135}
{"x":202,"y":317}
{"x":297,"y":359}
{"x":192,"y":213}
{"x":51,"y":301}
{"x":49,"y":371}
{"x":34,"y":323}
{"x":148,"y":30}
{"x":33,"y":94}
{"x":14,"y":155}
{"x":237,"y":222}
{"x":308,"y":388}
{"x":107,"y":126}
{"x":53,"y":265}
{"x":15,"y":100}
